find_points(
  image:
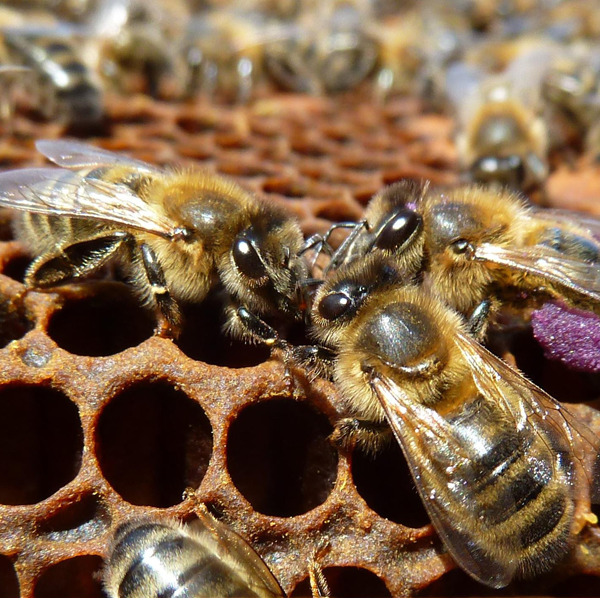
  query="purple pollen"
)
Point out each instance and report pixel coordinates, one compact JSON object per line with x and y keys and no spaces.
{"x":568,"y":334}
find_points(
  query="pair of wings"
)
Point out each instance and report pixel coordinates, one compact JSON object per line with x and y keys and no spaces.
{"x":435,"y":453}
{"x":543,"y":261}
{"x":67,"y":193}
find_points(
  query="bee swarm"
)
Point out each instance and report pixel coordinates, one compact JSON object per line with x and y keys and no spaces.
{"x":101,"y":421}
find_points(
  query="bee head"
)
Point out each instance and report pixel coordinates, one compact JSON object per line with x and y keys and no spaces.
{"x":395,"y":222}
{"x":342,"y":297}
{"x":263,"y":269}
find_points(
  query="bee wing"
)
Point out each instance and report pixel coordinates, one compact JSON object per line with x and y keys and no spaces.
{"x":493,"y":377}
{"x":229,"y":545}
{"x":444,"y":462}
{"x":462,"y":84}
{"x":77,"y":155}
{"x":585,"y":221}
{"x":59,"y":192}
{"x":440,"y":464}
{"x":577,"y":275}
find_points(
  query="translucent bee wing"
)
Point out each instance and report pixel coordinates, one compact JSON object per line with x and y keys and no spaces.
{"x":64,"y":193}
{"x":496,"y":379}
{"x":441,"y":466}
{"x":462,"y":83}
{"x":448,"y":462}
{"x":233,"y":548}
{"x":526,"y":72}
{"x":585,"y":221}
{"x":77,"y":155}
{"x":576,"y":275}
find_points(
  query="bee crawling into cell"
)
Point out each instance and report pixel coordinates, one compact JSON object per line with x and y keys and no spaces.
{"x":202,"y":559}
{"x":505,"y":472}
{"x":177,"y":234}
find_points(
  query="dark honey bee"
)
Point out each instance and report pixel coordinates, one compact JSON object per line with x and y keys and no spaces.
{"x":166,"y":559}
{"x":64,"y":87}
{"x":500,"y":466}
{"x":224,"y":50}
{"x":474,"y":245}
{"x":176,"y":233}
{"x":328,"y":49}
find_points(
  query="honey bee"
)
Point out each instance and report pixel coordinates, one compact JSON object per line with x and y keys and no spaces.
{"x":224,"y":50}
{"x":166,"y":559}
{"x":475,"y":246}
{"x":64,"y":87}
{"x":134,"y":44}
{"x":329,"y":49}
{"x":415,"y":47}
{"x":177,"y":233}
{"x":500,"y":466}
{"x":571,"y":88}
{"x":502,"y":137}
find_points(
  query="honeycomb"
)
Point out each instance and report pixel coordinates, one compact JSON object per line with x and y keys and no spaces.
{"x":101,"y":421}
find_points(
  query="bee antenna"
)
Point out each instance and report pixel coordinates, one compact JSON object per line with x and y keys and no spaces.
{"x":310,"y":281}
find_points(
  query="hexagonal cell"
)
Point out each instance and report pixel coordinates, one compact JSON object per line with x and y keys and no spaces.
{"x":16,"y":267}
{"x":9,"y":583}
{"x":72,"y":578}
{"x":385,"y":483}
{"x":347,"y":582}
{"x":41,"y":443}
{"x":110,"y":320}
{"x":202,"y":337}
{"x":85,"y":519}
{"x":13,"y":323}
{"x":279,"y":457}
{"x":153,"y":442}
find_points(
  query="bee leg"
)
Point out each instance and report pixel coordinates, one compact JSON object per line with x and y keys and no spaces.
{"x":478,"y":320}
{"x":340,"y":255}
{"x":318,"y":584}
{"x":370,"y":436}
{"x":317,"y":359}
{"x":168,"y":307}
{"x":75,"y":261}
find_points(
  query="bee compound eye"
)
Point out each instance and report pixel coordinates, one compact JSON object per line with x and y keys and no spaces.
{"x":398,"y":230}
{"x":334,"y":306}
{"x":247,"y":259}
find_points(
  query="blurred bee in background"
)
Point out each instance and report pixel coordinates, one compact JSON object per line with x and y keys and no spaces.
{"x":502,"y":469}
{"x":414,"y":47}
{"x":328,"y":49}
{"x":571,"y":89}
{"x":134,"y":44}
{"x":167,"y":559}
{"x":480,"y":249}
{"x":501,"y":136}
{"x":63,"y":87}
{"x":59,"y":84}
{"x":224,"y":50}
{"x":177,"y":234}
